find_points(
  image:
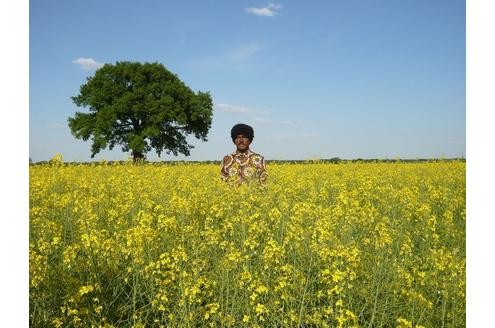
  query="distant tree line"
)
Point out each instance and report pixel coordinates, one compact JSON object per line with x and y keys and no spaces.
{"x":334,"y":160}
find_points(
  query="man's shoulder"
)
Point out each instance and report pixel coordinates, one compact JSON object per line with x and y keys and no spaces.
{"x":256,"y":155}
{"x":257,"y":159}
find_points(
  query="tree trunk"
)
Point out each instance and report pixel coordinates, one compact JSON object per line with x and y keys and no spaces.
{"x":137,"y":156}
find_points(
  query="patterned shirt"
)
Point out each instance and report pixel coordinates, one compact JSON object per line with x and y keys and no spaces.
{"x":246,"y":167}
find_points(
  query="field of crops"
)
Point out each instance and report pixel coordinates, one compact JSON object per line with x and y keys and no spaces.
{"x":321,"y":245}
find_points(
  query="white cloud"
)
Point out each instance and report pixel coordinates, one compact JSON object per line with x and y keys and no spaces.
{"x":234,"y":58}
{"x":87,"y":64}
{"x":227,"y":108}
{"x":243,"y":52}
{"x":260,"y":120}
{"x":260,"y":11}
{"x":310,"y":135}
{"x":271,"y":10}
{"x":287,"y":123}
{"x":236,"y":109}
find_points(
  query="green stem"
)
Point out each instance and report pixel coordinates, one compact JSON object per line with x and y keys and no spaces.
{"x":304,"y":292}
{"x":444,"y":305}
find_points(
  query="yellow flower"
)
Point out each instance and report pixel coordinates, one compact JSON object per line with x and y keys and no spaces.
{"x":319,"y":235}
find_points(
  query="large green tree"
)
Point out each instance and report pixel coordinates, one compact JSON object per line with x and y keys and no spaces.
{"x":140,"y":107}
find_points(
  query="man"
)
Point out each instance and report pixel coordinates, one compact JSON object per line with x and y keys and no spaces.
{"x":243,"y":165}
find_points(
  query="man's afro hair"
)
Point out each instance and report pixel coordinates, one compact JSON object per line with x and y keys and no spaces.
{"x":244,"y":129}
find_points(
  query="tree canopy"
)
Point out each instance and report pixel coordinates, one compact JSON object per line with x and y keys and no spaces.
{"x":140,"y":107}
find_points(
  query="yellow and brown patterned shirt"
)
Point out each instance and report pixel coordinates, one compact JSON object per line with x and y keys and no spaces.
{"x":245,"y":167}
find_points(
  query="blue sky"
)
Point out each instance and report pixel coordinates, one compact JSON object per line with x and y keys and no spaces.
{"x":319,"y":79}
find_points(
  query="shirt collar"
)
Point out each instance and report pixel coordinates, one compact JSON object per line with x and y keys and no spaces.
{"x":248,"y":153}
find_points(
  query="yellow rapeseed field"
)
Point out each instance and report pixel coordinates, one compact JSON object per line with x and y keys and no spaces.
{"x":321,"y":245}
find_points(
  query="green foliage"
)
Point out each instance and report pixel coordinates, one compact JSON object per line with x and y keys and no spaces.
{"x":140,"y":107}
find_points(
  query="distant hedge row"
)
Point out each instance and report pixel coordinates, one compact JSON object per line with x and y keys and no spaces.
{"x":334,"y":160}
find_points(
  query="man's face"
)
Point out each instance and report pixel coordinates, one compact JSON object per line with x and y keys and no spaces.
{"x":242,"y":142}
